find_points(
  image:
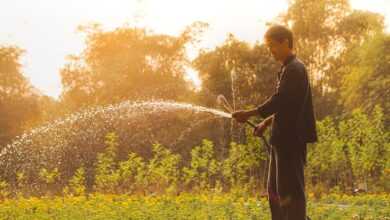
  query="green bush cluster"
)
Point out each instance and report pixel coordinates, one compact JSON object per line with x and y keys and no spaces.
{"x":352,"y":152}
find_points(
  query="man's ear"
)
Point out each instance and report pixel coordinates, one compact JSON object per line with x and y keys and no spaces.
{"x":286,"y":43}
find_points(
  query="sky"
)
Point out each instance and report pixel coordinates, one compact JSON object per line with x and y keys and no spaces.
{"x":47,"y":29}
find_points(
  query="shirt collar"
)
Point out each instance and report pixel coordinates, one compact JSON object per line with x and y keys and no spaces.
{"x":288,"y":59}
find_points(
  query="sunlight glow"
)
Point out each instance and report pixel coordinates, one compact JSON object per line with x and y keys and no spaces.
{"x":46,"y":29}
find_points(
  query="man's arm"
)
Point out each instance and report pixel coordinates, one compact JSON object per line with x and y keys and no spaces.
{"x":267,"y":122}
{"x":262,"y":126}
{"x":288,"y":89}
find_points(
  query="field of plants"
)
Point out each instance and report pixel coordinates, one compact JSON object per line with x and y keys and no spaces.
{"x":207,"y":187}
{"x":187,"y":206}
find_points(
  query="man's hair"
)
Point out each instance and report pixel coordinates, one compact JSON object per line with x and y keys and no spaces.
{"x":280,"y":33}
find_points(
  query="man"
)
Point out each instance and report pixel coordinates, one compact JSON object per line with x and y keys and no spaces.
{"x":290,"y":111}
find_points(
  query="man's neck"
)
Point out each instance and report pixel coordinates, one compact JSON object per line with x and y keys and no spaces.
{"x":287,"y":58}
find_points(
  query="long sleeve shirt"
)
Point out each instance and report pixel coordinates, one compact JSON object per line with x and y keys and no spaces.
{"x":291,"y":105}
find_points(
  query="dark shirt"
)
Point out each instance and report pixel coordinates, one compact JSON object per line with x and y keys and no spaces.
{"x":291,"y":105}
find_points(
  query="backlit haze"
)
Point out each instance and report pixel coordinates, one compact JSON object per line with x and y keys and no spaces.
{"x":46,"y":29}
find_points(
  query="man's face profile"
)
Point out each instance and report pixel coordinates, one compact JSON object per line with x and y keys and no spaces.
{"x":278,"y":49}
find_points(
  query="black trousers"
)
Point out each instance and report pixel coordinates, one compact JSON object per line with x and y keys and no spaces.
{"x":286,"y":185}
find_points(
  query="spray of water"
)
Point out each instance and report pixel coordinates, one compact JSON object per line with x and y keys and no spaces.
{"x":51,"y":137}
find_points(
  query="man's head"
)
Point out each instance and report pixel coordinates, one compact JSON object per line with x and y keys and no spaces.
{"x":279,"y":40}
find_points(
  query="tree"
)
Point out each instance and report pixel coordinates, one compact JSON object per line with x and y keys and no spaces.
{"x":18,"y":99}
{"x":128,"y":63}
{"x":237,"y":68}
{"x":324,"y":31}
{"x":367,"y":77}
{"x":244,"y":74}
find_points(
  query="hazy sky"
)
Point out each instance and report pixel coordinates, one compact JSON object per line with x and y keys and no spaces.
{"x":46,"y":29}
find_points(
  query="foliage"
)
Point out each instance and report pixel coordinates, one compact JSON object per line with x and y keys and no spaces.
{"x":324,"y":32}
{"x":18,"y":99}
{"x":76,"y":184}
{"x":132,"y":173}
{"x":163,"y":169}
{"x":367,"y":76}
{"x":203,"y":168}
{"x":187,"y":206}
{"x":347,"y":55}
{"x":114,"y":62}
{"x":353,"y":153}
{"x":107,"y":177}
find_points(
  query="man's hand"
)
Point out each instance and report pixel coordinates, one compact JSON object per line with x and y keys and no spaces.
{"x":241,"y":116}
{"x":262,"y":126}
